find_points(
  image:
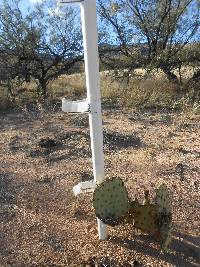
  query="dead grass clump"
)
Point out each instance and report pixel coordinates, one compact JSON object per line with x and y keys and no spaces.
{"x":5,"y":100}
{"x":143,"y":92}
{"x":70,"y":86}
{"x":148,"y":93}
{"x":21,"y":95}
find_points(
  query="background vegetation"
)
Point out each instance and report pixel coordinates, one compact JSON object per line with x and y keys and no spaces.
{"x":149,"y":52}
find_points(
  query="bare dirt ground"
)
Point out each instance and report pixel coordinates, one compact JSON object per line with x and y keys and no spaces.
{"x":44,"y":154}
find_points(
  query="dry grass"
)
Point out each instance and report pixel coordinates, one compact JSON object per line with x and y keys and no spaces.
{"x":143,"y":90}
{"x":72,"y":86}
{"x":138,"y":92}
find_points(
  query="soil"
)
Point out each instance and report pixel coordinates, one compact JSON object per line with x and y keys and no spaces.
{"x":43,"y":155}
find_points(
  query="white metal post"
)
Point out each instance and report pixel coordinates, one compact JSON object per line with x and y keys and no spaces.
{"x":93,"y":102}
{"x":90,"y":43}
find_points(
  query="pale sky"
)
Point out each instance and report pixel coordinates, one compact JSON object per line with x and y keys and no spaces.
{"x":35,"y":1}
{"x":24,"y":4}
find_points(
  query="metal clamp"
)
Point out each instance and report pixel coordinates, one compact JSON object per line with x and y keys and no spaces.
{"x":84,"y":187}
{"x":79,"y":106}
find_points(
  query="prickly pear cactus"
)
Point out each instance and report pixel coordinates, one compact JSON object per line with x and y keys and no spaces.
{"x":111,"y":202}
{"x":144,"y":215}
{"x":112,"y":206}
{"x":162,"y":199}
{"x":164,"y":215}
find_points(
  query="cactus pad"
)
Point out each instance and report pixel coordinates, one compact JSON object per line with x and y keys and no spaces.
{"x":111,"y":202}
{"x":112,"y":206}
{"x":162,"y":199}
{"x":164,"y":215}
{"x":144,"y":216}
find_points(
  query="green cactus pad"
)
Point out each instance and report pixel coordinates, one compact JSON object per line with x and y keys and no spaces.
{"x":144,"y":216}
{"x":162,"y":199}
{"x":164,"y":215}
{"x":111,"y":202}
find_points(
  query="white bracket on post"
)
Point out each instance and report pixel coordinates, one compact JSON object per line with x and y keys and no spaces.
{"x":93,"y":103}
{"x":75,"y":106}
{"x":84,"y":187}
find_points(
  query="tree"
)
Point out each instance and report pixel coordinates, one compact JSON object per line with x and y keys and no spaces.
{"x":44,"y":43}
{"x":155,"y":31}
{"x":60,"y":46}
{"x":116,"y":37}
{"x":11,"y":36}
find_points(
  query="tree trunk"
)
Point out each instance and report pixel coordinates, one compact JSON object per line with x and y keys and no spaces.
{"x":196,"y":76}
{"x":9,"y":86}
{"x":171,"y":76}
{"x":42,"y":89}
{"x":194,"y":83}
{"x":10,"y":91}
{"x":175,"y":81}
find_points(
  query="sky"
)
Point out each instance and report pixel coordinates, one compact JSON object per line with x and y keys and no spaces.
{"x":25,"y":4}
{"x":29,"y":4}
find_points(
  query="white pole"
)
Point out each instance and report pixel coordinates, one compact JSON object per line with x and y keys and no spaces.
{"x":90,"y":43}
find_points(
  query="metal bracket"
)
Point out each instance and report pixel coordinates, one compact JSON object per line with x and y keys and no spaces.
{"x":79,"y":106}
{"x":84,"y":187}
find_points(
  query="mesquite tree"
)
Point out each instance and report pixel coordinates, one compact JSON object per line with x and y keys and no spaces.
{"x":154,"y":33}
{"x":42,"y":44}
